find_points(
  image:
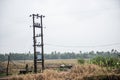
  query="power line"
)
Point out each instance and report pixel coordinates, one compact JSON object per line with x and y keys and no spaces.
{"x":105,"y":45}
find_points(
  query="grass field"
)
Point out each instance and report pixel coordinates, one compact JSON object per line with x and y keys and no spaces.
{"x":77,"y":72}
{"x":16,"y":66}
{"x":61,"y":61}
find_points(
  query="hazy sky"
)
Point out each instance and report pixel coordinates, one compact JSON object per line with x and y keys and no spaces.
{"x":71,"y":25}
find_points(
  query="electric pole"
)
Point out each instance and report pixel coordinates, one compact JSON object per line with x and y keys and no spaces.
{"x":37,"y":55}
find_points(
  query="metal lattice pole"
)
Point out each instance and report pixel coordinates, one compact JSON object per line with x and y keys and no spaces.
{"x":38,"y":25}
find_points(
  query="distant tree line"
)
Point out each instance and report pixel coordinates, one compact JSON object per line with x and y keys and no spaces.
{"x":59,"y":55}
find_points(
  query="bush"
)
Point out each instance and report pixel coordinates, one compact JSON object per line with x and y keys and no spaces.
{"x":81,"y":61}
{"x":111,"y":62}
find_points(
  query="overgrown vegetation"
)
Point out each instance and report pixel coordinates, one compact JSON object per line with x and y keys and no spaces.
{"x":109,"y":62}
{"x":95,"y":66}
{"x":81,"y":61}
{"x":78,"y":72}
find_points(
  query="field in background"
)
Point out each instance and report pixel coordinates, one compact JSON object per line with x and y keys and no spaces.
{"x":61,"y":61}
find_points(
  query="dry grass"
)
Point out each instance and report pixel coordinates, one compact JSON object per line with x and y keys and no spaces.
{"x":78,"y":72}
{"x":16,"y":66}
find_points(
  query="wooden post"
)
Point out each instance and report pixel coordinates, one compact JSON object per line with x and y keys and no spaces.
{"x":7,"y":73}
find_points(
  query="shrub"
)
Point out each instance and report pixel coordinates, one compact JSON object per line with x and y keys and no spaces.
{"x":111,"y":62}
{"x":81,"y":61}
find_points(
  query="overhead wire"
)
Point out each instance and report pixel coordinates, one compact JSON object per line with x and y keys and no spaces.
{"x":105,"y":45}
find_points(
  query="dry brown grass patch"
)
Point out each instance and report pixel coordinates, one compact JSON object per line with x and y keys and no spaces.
{"x":78,"y":72}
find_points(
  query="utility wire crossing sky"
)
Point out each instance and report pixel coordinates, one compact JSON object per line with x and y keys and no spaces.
{"x":70,"y":25}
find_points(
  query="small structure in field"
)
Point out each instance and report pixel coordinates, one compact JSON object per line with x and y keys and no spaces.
{"x":26,"y":70}
{"x":65,"y":67}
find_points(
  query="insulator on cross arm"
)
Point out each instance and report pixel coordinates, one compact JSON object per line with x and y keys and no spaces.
{"x":30,"y":15}
{"x":37,"y":25}
{"x":43,"y":16}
